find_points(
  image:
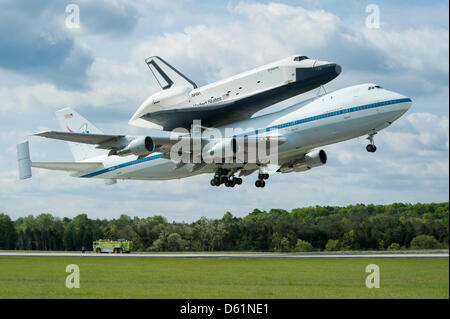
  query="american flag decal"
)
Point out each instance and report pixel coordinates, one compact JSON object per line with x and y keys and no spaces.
{"x":225,"y":96}
{"x":68,"y":116}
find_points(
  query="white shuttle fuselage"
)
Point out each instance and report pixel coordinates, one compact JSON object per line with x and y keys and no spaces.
{"x":229,"y":100}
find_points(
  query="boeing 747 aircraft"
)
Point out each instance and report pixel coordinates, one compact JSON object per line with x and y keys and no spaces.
{"x":295,"y":134}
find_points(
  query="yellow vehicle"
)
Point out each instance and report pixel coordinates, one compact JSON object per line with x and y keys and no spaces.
{"x":112,"y":246}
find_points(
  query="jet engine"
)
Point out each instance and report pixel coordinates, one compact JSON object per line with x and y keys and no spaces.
{"x":139,"y":146}
{"x":310,"y":160}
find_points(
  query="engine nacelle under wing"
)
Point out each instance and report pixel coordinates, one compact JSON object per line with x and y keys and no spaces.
{"x":140,"y":146}
{"x":310,"y":160}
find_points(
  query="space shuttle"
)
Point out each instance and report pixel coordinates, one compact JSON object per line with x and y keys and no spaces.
{"x":236,"y":98}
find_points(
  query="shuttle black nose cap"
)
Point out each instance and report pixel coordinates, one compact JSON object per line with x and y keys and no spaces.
{"x":337,"y":69}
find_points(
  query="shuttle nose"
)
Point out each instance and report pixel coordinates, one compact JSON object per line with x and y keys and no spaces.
{"x":319,"y":73}
{"x":329,"y":66}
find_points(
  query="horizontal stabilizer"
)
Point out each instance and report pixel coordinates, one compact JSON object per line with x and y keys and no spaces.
{"x":67,"y":166}
{"x":80,"y":137}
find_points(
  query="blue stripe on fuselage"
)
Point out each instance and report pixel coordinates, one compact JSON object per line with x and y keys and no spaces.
{"x":279,"y":126}
{"x":112,"y":168}
{"x":334,"y":113}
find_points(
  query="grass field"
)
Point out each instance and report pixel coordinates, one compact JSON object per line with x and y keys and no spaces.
{"x":44,"y":277}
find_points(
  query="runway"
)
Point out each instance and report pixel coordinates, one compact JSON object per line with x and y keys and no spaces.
{"x":229,"y":255}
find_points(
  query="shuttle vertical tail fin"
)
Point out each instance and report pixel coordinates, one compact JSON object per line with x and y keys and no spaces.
{"x":71,"y":121}
{"x":166,"y":75}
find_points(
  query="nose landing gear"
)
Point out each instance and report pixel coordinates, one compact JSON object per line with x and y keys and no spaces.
{"x":371,"y":147}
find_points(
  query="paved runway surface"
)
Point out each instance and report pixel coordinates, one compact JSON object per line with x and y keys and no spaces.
{"x":226,"y":255}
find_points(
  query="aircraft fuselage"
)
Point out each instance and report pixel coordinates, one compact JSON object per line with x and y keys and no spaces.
{"x":327,"y":119}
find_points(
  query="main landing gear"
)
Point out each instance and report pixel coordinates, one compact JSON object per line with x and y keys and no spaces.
{"x":371,"y":147}
{"x":223,"y":176}
{"x":260,"y":181}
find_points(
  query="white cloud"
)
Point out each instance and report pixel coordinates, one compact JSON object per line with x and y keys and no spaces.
{"x":418,"y":49}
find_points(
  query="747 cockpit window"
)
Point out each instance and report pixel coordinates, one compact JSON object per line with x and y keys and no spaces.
{"x":300,"y":58}
{"x":374,"y":87}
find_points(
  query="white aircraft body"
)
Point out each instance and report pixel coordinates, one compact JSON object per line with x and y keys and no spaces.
{"x":299,"y":131}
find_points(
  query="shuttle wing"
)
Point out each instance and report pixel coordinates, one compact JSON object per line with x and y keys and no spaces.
{"x":211,"y":116}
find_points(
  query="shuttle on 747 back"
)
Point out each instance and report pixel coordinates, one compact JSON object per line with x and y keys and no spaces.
{"x":212,"y":130}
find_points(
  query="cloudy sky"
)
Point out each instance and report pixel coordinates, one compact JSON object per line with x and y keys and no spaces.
{"x":99,"y":70}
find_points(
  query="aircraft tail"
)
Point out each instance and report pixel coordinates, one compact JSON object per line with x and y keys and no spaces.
{"x":23,"y":159}
{"x":71,"y":121}
{"x":166,"y":75}
{"x":25,"y":164}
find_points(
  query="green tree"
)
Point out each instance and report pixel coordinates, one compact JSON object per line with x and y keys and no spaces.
{"x":175,"y":242}
{"x":161,"y":244}
{"x":393,"y":246}
{"x":350,"y":241}
{"x":424,"y":242}
{"x":303,"y":245}
{"x":8,"y":235}
{"x":332,"y":244}
{"x":285,"y":244}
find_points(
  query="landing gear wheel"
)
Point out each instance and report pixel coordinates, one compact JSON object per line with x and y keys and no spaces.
{"x":213,"y":182}
{"x":371,"y":148}
{"x":260,"y":183}
{"x":238,"y":181}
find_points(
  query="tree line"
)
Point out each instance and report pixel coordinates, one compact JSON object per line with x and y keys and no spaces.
{"x":354,"y":227}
